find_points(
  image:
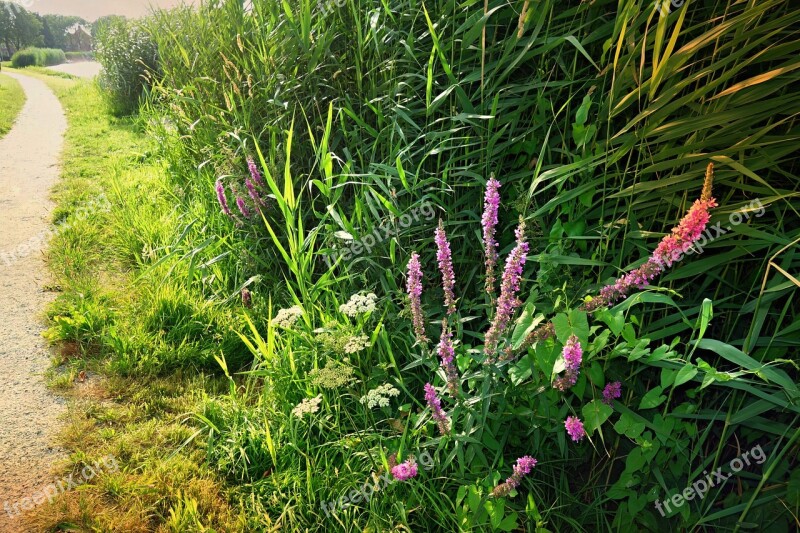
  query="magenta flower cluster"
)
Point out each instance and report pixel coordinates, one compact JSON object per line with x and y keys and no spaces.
{"x":247,"y":208}
{"x":508,"y":301}
{"x":612,"y":391}
{"x":491,"y":206}
{"x":523,"y":467}
{"x":447,"y":357}
{"x":414,"y":289}
{"x":435,"y":405}
{"x":573,"y":355}
{"x":405,"y":470}
{"x":670,"y":249}
{"x":575,"y":428}
{"x":445,"y":258}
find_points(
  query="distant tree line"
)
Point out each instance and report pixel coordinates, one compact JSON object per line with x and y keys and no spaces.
{"x":20,"y":28}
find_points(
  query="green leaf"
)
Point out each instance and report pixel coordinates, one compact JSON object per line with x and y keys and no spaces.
{"x":594,"y":414}
{"x":525,"y":324}
{"x":706,"y":313}
{"x":652,"y":399}
{"x":685,"y":374}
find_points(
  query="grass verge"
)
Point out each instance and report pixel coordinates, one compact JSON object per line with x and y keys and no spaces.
{"x":160,"y":482}
{"x":12,"y":98}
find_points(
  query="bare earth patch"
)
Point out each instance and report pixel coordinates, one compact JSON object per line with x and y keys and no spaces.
{"x":29,"y":166}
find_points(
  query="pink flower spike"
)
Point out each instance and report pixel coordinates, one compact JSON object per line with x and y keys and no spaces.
{"x":414,"y":288}
{"x":489,"y":222}
{"x":507,"y":302}
{"x":575,"y":428}
{"x":221,"y":198}
{"x":523,"y":467}
{"x":612,"y":391}
{"x":405,"y":471}
{"x":445,"y":258}
{"x":447,"y":355}
{"x":437,"y":413}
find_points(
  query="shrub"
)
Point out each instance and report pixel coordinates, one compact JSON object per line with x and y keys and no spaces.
{"x":129,"y":57}
{"x":38,"y":57}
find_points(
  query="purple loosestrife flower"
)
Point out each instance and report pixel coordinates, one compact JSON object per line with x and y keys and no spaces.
{"x":405,"y":470}
{"x":414,"y":288}
{"x":573,"y":354}
{"x":254,"y":173}
{"x":612,"y":391}
{"x":240,"y":203}
{"x":575,"y":428}
{"x":523,"y":467}
{"x":508,"y":301}
{"x":447,"y":355}
{"x":221,"y":198}
{"x":251,"y":190}
{"x":437,"y":413}
{"x":489,"y":222}
{"x":669,"y":250}
{"x":445,"y":258}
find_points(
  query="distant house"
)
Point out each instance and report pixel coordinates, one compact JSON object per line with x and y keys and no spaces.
{"x":79,"y":38}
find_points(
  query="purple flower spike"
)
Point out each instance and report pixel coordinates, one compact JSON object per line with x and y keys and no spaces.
{"x":221,"y":198}
{"x":254,"y":173}
{"x":489,"y":222}
{"x":251,"y":190}
{"x":240,"y":203}
{"x":405,"y":470}
{"x":447,"y":355}
{"x":573,"y":354}
{"x":508,"y":302}
{"x":437,"y":413}
{"x":612,"y":391}
{"x":523,"y":467}
{"x":414,"y":288}
{"x":445,"y":258}
{"x":575,"y":428}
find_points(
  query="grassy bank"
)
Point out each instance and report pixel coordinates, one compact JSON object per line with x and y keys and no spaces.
{"x":12,"y":98}
{"x":110,"y":181}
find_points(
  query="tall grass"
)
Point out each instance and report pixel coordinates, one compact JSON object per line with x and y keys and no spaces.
{"x":599,"y":118}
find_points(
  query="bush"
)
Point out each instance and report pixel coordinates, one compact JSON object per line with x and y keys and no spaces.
{"x":38,"y":57}
{"x":129,"y":57}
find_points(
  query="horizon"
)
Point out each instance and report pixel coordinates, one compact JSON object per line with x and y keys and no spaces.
{"x":91,"y":10}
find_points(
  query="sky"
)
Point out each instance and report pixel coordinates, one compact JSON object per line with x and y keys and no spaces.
{"x":93,"y":9}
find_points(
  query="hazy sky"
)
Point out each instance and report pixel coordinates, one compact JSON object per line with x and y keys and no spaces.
{"x":92,"y":9}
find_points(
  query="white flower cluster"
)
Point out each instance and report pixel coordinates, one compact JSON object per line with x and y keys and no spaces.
{"x":307,"y":406}
{"x":356,"y":344}
{"x":287,"y":317}
{"x":359,"y":303}
{"x":379,"y":396}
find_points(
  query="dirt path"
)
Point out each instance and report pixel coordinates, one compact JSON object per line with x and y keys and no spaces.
{"x":82,"y":69}
{"x":29,"y":157}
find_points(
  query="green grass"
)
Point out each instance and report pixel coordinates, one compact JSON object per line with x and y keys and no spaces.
{"x":12,"y":98}
{"x":109,"y":184}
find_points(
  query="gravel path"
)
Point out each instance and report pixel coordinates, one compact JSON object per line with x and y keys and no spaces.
{"x":29,"y":166}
